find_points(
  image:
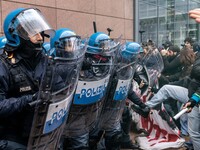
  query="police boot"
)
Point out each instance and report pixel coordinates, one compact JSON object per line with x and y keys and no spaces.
{"x":113,"y":142}
{"x":144,"y":112}
{"x":94,"y":140}
{"x":112,"y":145}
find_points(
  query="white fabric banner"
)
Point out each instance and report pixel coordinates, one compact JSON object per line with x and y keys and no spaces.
{"x":163,"y":132}
{"x":161,"y":136}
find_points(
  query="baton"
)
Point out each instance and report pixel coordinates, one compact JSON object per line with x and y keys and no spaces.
{"x":32,"y":104}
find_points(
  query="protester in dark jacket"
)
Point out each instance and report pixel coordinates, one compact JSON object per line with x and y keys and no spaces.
{"x":187,"y":58}
{"x":194,"y":95}
{"x":171,"y":60}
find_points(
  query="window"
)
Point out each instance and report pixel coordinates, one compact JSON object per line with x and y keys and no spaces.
{"x":161,"y":20}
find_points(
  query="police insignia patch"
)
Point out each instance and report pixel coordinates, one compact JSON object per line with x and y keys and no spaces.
{"x":24,"y":89}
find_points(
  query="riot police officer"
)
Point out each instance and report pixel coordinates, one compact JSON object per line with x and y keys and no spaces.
{"x":90,"y":92}
{"x":66,"y":52}
{"x":21,"y":68}
{"x":116,"y":100}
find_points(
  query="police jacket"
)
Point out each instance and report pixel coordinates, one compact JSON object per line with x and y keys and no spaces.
{"x":18,"y":82}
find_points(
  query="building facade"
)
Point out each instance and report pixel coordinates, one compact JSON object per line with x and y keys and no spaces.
{"x":135,"y":20}
{"x":161,"y":20}
{"x":79,"y":15}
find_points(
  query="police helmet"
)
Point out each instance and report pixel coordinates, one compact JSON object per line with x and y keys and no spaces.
{"x":101,"y":43}
{"x":130,"y":50}
{"x":3,"y":41}
{"x":46,"y":48}
{"x":24,"y":23}
{"x":67,"y":44}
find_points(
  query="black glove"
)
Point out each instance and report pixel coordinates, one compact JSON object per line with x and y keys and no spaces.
{"x":144,"y":112}
{"x":35,"y":100}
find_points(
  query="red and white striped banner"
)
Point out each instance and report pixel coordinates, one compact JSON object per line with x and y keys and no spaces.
{"x":163,"y":134}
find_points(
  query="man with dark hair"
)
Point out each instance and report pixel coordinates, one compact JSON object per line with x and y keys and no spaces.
{"x":172,"y":63}
{"x":167,"y":44}
{"x":188,"y":42}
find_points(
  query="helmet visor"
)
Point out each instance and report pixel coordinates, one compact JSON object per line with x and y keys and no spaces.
{"x":106,"y":44}
{"x":128,"y":54}
{"x":70,"y":48}
{"x":106,"y":47}
{"x":31,"y":22}
{"x":70,"y":44}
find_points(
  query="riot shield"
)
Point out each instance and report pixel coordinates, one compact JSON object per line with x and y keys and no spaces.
{"x":123,"y":80}
{"x":92,"y":84}
{"x":154,"y":66}
{"x":124,"y":71}
{"x":55,"y":96}
{"x":118,"y":91}
{"x":93,"y":81}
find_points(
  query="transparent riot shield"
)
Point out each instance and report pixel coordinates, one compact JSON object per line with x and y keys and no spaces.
{"x":93,"y":81}
{"x":154,"y":65}
{"x":123,"y":74}
{"x":118,"y":92}
{"x":55,"y":96}
{"x":123,"y":79}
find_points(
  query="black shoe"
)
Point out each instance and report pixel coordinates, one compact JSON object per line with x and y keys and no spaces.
{"x":129,"y":145}
{"x":144,"y":112}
